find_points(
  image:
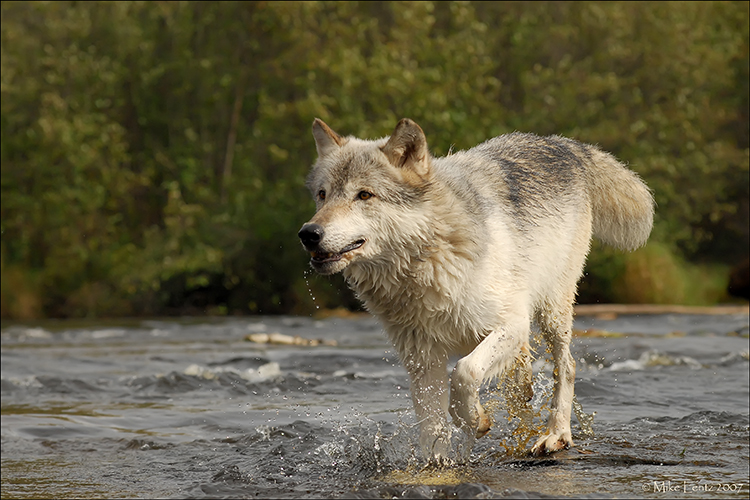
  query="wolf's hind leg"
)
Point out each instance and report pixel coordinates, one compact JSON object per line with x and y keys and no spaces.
{"x":557,"y":330}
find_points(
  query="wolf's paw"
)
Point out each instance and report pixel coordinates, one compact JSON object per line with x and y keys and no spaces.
{"x":435,"y":442}
{"x":440,"y":462}
{"x":483,"y":427}
{"x":469,"y":416}
{"x":467,"y":413}
{"x":552,"y":442}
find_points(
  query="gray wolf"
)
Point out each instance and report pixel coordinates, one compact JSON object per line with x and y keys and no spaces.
{"x":462,"y":254}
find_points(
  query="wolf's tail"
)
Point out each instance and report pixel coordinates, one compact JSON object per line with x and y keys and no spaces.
{"x":621,"y":204}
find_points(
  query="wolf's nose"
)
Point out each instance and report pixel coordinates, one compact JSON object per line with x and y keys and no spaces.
{"x":311,"y":234}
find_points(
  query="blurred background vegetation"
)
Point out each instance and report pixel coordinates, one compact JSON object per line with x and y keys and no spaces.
{"x":154,"y":153}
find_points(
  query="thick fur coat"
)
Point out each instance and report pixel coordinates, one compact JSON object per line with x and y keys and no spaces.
{"x":461,"y":254}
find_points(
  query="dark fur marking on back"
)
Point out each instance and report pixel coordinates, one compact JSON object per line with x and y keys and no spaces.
{"x":536,"y":170}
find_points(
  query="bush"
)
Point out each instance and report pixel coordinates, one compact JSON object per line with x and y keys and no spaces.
{"x":153,"y":151}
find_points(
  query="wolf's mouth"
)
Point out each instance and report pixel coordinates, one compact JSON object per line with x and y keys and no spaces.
{"x":323,"y":257}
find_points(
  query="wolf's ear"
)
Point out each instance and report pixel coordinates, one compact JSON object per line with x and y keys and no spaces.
{"x":326,"y":140}
{"x":407,"y":147}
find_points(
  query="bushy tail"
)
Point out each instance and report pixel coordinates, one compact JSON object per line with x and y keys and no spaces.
{"x":621,"y":204}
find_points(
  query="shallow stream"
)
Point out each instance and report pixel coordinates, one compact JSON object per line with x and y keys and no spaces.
{"x":189,"y":408}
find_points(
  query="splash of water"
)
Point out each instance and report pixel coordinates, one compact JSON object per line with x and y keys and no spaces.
{"x":307,"y":273}
{"x":429,"y":476}
{"x":526,"y":419}
{"x":585,"y":421}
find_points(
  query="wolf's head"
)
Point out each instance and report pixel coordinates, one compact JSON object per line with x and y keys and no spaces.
{"x":367,"y":195}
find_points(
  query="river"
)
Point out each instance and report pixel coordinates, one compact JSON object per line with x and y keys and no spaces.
{"x":189,"y":408}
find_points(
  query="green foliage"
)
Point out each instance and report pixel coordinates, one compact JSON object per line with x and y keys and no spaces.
{"x":157,"y":150}
{"x":654,"y":274}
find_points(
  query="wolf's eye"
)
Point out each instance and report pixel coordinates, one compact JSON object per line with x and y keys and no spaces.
{"x":322,"y":194}
{"x":364,"y":195}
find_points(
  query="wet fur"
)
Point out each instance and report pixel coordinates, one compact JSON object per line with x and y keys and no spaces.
{"x":461,"y":254}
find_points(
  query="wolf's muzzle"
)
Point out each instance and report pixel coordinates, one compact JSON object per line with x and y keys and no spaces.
{"x":311,"y":235}
{"x":323,"y":259}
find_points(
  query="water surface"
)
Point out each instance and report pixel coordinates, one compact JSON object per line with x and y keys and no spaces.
{"x":190,"y":409}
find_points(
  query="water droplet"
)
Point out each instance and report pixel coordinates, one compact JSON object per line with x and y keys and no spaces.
{"x":307,"y":274}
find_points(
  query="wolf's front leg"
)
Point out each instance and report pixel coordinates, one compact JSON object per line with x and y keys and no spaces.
{"x":465,"y":408}
{"x":489,"y":359}
{"x":429,"y":393}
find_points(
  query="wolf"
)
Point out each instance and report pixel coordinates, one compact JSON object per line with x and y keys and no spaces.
{"x":463,"y":254}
